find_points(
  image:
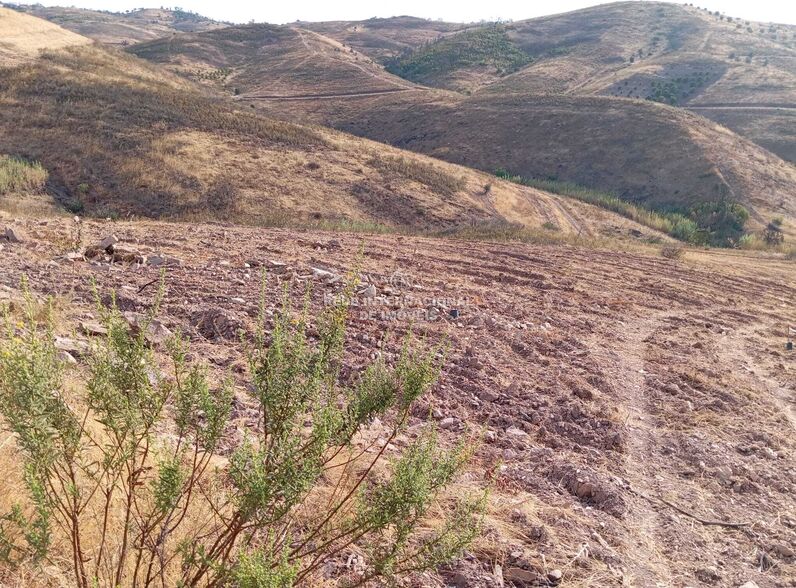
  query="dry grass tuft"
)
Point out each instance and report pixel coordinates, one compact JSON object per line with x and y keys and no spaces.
{"x":425,"y":173}
{"x":19,"y":175}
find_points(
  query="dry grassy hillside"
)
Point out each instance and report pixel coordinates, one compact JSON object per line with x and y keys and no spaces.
{"x":264,"y":60}
{"x":137,"y":25}
{"x":660,"y":157}
{"x":22,"y":37}
{"x":647,"y":153}
{"x":384,"y":38}
{"x":119,"y":136}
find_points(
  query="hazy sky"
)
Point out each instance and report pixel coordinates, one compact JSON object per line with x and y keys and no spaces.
{"x":782,"y":11}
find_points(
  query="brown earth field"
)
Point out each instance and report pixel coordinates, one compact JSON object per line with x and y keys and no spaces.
{"x":638,"y":413}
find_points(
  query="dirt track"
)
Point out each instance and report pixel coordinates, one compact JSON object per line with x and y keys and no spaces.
{"x":609,"y":383}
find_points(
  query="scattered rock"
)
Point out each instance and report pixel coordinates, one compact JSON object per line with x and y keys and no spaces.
{"x":749,"y":584}
{"x":322,"y":274}
{"x":93,"y":328}
{"x":73,"y":256}
{"x":108,"y":242}
{"x":369,"y":292}
{"x":708,"y":575}
{"x":521,"y":577}
{"x":156,"y":332}
{"x":554,"y":576}
{"x":101,"y":248}
{"x":163,"y":260}
{"x":448,"y":423}
{"x":66,"y":357}
{"x":71,"y":346}
{"x":215,"y":323}
{"x":11,"y":235}
{"x":783,"y":551}
{"x":122,"y":254}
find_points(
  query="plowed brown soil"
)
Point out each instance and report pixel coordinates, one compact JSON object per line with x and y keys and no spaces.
{"x":643,"y":409}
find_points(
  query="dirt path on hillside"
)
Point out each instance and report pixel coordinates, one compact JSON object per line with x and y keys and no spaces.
{"x":740,"y":106}
{"x":366,"y":93}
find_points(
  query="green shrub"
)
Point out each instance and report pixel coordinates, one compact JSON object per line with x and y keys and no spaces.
{"x":722,"y":221}
{"x":136,"y":508}
{"x":19,"y":176}
{"x":773,"y":234}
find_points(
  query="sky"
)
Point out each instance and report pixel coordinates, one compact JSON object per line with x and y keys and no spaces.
{"x":781,"y":11}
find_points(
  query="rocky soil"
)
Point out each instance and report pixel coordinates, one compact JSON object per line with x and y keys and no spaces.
{"x":638,"y":413}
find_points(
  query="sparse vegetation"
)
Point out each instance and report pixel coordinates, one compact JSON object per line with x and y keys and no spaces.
{"x":676,"y":225}
{"x":671,"y":251}
{"x":487,"y":46}
{"x":136,"y":507}
{"x":20,"y":176}
{"x":719,"y":223}
{"x":426,"y":173}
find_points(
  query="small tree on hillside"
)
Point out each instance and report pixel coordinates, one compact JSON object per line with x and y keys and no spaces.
{"x":133,"y":470}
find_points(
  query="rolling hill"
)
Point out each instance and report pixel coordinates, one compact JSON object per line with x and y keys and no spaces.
{"x":385,"y":38}
{"x":262,"y":60}
{"x":23,"y":36}
{"x":651,"y":154}
{"x":121,"y":28}
{"x":119,"y":136}
{"x":739,"y":73}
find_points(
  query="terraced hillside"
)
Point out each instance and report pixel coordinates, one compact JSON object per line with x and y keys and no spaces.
{"x":121,"y":28}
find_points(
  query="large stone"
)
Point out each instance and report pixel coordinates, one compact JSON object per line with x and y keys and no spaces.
{"x":521,"y":576}
{"x":123,"y":254}
{"x":11,"y":235}
{"x":156,"y":333}
{"x":108,"y":242}
{"x":71,"y":346}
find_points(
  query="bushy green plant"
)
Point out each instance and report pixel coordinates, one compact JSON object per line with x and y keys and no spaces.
{"x":723,"y":221}
{"x":126,"y":468}
{"x":773,"y":234}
